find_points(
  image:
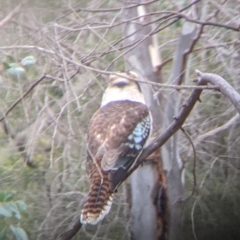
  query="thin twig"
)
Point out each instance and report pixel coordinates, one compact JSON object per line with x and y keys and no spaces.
{"x":12,"y":14}
{"x":192,"y":219}
{"x":166,"y":61}
{"x":113,"y":9}
{"x":215,"y":131}
{"x":195,"y":202}
{"x":194,"y":177}
{"x":194,"y":164}
{"x":206,"y":23}
{"x":22,"y":97}
{"x":45,"y":76}
{"x":28,"y":47}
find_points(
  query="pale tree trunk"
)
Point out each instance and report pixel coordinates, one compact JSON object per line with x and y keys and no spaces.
{"x":144,"y":58}
{"x":170,"y":154}
{"x":146,"y":186}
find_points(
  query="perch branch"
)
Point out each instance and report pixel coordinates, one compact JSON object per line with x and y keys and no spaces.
{"x":152,"y":146}
{"x":71,"y":232}
{"x":203,"y":79}
{"x":173,"y":127}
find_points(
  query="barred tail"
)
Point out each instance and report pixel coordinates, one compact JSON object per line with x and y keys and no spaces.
{"x":98,"y":203}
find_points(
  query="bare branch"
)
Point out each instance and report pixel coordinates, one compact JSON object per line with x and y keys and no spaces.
{"x":224,"y":87}
{"x":12,"y":14}
{"x":22,"y":97}
{"x":71,"y":232}
{"x":194,"y":163}
{"x":115,"y":9}
{"x":206,"y":23}
{"x":213,"y":46}
{"x":214,"y":131}
{"x":28,"y":47}
{"x":173,"y":127}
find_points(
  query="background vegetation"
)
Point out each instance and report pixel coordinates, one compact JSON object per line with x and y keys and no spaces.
{"x":42,"y":139}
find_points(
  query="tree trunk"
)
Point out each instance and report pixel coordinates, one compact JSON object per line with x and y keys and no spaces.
{"x":147,"y":189}
{"x":171,"y":159}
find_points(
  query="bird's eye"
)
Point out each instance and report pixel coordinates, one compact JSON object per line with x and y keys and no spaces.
{"x":120,"y":84}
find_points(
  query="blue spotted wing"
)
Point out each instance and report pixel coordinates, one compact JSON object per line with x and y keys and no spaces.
{"x":126,"y":135}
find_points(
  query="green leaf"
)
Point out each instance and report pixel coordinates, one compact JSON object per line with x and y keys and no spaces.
{"x":3,"y":234}
{"x":6,"y":196}
{"x":28,"y":61}
{"x":13,"y":207}
{"x":5,"y":211}
{"x":21,"y":205}
{"x":19,"y":233}
{"x":16,"y":71}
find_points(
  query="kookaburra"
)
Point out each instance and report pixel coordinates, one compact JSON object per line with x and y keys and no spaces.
{"x":116,"y":136}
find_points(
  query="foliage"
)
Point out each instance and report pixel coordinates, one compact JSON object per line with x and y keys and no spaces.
{"x":10,"y":213}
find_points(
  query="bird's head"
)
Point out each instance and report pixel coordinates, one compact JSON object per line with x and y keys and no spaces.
{"x":123,"y":86}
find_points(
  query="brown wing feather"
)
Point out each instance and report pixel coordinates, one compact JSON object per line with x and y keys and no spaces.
{"x":109,"y":129}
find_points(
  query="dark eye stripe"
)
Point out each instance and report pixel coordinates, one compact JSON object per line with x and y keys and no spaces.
{"x":121,"y":84}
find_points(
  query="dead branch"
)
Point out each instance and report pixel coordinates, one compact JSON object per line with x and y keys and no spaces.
{"x":224,"y":87}
{"x":215,"y":131}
